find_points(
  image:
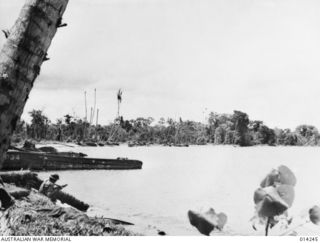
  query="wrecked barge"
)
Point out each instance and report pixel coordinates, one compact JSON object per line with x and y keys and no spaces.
{"x":39,"y":161}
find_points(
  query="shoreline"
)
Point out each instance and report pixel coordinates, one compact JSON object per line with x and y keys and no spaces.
{"x":73,"y":145}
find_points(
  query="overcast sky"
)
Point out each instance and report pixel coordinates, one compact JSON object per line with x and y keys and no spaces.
{"x":183,"y":58}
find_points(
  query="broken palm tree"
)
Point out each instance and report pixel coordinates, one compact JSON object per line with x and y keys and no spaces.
{"x":36,"y":215}
{"x":117,"y":122}
{"x":119,"y":98}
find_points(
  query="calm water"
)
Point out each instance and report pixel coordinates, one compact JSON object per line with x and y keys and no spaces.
{"x":174,"y":180}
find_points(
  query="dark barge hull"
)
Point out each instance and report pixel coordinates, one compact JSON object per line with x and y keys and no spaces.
{"x":17,"y":160}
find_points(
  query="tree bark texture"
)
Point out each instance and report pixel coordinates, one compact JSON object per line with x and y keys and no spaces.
{"x":20,"y":60}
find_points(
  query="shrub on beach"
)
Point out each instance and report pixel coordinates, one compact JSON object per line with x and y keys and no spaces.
{"x":274,"y":197}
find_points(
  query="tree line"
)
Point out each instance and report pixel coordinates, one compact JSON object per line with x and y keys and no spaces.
{"x":232,"y":129}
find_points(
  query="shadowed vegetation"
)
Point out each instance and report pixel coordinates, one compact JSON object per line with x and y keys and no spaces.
{"x":29,"y":217}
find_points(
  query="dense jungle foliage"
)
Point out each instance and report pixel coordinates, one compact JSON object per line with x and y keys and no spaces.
{"x":234,"y":128}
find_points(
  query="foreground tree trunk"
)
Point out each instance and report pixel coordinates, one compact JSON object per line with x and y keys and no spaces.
{"x":21,"y":58}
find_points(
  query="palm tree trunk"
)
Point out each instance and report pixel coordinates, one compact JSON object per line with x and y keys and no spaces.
{"x":85,"y":106}
{"x":21,"y":58}
{"x":94,"y":105}
{"x":118,"y":113}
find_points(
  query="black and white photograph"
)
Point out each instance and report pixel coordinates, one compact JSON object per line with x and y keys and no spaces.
{"x":159,"y":118}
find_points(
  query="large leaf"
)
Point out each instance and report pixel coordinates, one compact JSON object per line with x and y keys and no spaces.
{"x":286,"y":176}
{"x":281,"y":175}
{"x":203,"y":226}
{"x":314,"y":215}
{"x":259,"y":195}
{"x":208,"y":221}
{"x":222,"y":220}
{"x":270,"y":208}
{"x":286,"y":192}
{"x":270,"y":179}
{"x":271,"y":201}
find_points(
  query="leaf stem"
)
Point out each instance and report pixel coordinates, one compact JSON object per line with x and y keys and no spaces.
{"x":267,"y":226}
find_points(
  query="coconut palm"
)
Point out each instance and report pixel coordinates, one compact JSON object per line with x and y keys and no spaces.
{"x":119,"y":97}
{"x":21,"y":58}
